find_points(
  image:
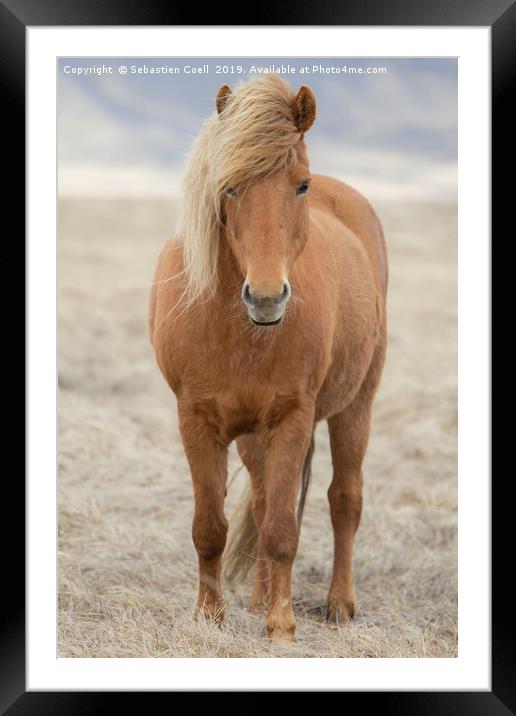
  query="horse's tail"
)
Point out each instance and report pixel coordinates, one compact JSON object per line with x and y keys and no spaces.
{"x":241,"y":549}
{"x":242,"y":545}
{"x":306,"y":474}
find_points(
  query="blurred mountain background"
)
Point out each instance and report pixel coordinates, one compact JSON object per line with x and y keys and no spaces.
{"x":391,"y":135}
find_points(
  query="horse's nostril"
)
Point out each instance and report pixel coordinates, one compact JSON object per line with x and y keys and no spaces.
{"x":285,"y":292}
{"x":246,"y":294}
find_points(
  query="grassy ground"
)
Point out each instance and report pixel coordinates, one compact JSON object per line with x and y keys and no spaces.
{"x":127,"y":566}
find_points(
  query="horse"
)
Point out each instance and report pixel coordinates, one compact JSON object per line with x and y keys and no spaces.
{"x":268,"y":315}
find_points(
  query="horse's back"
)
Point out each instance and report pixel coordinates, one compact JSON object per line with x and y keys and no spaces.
{"x":356,"y":213}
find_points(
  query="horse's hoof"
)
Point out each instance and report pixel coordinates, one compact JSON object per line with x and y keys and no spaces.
{"x":278,"y":631}
{"x":211,"y":612}
{"x":340,"y":612}
{"x":280,"y":622}
{"x":281,"y":635}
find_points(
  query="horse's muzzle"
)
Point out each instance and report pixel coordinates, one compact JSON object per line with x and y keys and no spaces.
{"x":266,"y":310}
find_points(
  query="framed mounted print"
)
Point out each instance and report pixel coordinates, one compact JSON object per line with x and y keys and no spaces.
{"x":258,"y":356}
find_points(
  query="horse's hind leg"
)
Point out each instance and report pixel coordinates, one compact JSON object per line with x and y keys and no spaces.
{"x":349,"y":434}
{"x":348,"y":441}
{"x":252,"y":452}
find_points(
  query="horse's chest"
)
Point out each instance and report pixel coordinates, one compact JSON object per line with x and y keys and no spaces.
{"x":234,"y":413}
{"x":249,"y":364}
{"x":239,"y":384}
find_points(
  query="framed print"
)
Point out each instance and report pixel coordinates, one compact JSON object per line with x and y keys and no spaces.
{"x":318,"y":362}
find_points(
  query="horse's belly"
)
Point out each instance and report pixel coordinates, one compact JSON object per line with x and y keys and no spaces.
{"x":343,"y":380}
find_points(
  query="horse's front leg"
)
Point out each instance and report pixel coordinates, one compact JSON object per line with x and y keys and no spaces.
{"x":287,"y":447}
{"x":207,"y":457}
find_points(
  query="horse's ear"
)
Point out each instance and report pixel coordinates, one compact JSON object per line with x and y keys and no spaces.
{"x":303,"y":106}
{"x":222,"y":97}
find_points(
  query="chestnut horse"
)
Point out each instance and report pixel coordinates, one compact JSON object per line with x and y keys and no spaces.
{"x":267,"y":315}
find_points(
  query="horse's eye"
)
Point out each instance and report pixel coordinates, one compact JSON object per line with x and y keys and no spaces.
{"x":230,"y":191}
{"x":303,"y":188}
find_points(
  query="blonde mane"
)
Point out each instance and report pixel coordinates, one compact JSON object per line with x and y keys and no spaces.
{"x":253,"y":137}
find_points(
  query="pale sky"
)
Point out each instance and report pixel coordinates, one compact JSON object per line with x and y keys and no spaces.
{"x":391,"y":135}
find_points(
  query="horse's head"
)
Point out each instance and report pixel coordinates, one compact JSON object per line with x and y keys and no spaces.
{"x":266,"y":221}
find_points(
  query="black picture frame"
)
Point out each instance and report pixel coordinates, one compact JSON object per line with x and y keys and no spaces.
{"x":15,"y":17}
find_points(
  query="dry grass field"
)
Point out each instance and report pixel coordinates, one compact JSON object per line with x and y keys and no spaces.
{"x":127,"y":566}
